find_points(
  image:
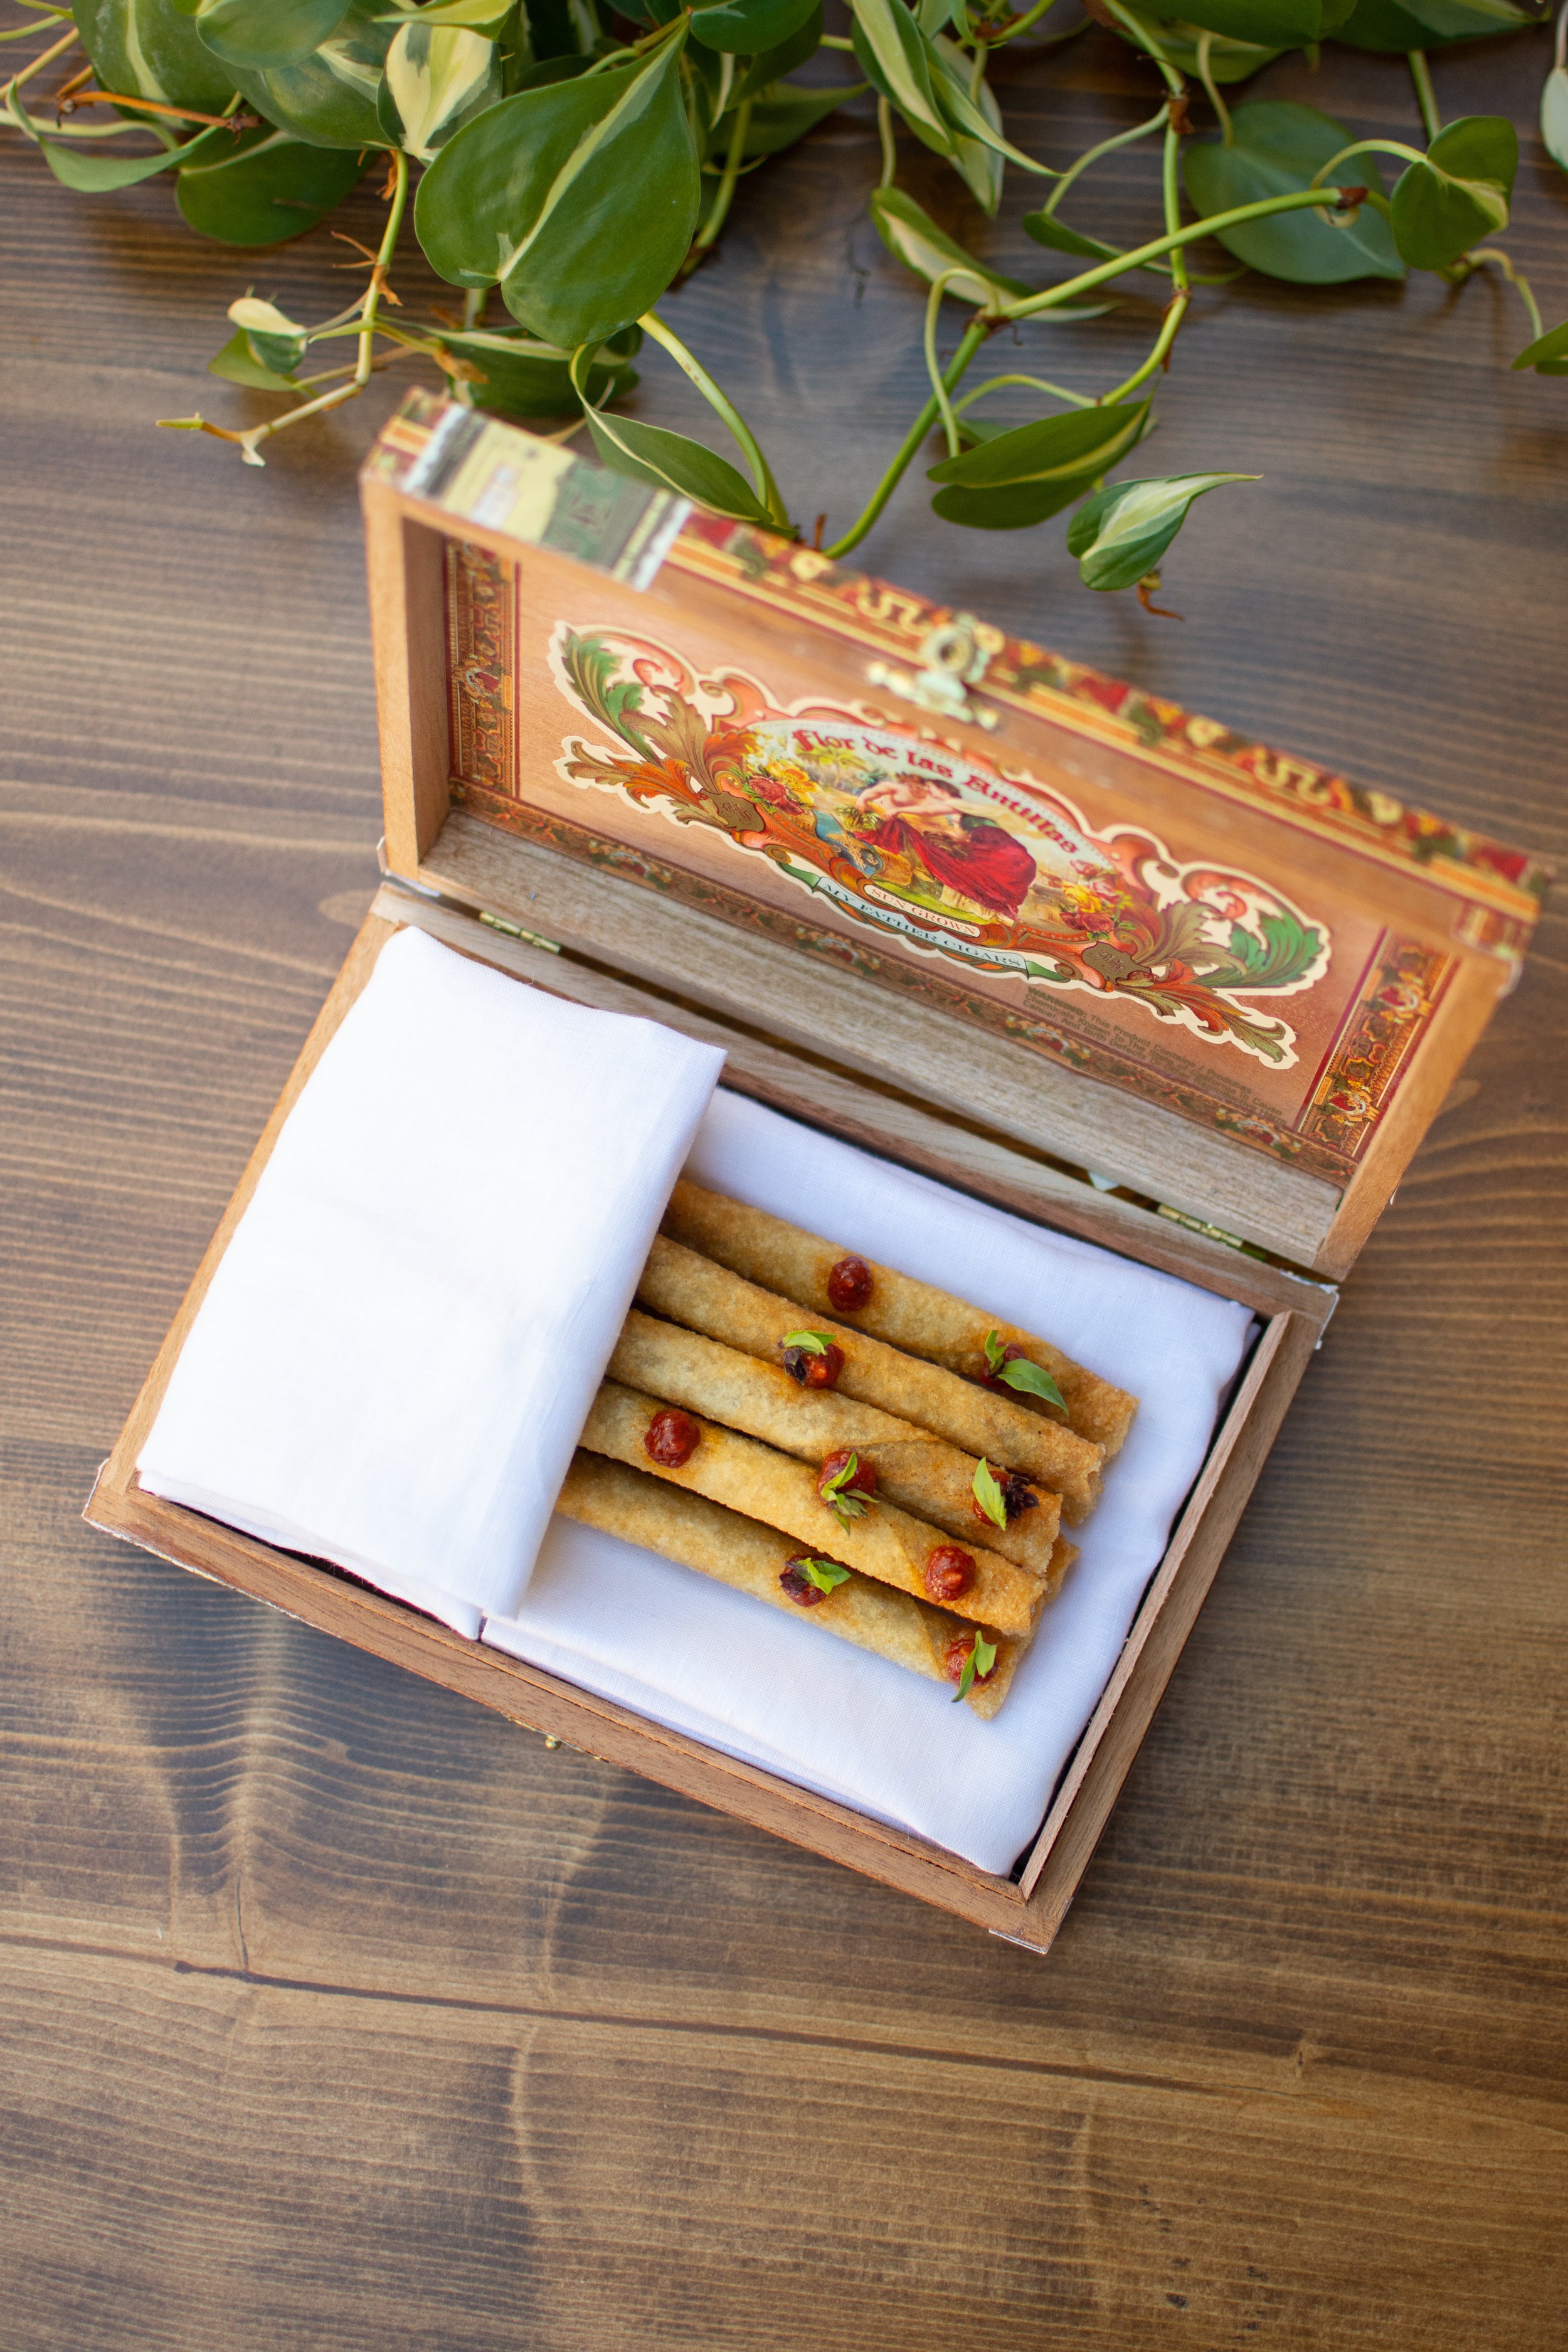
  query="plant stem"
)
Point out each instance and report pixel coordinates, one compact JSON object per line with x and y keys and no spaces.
{"x":708,"y":232}
{"x":1426,"y":96}
{"x":836,"y":41}
{"x":767,"y":489}
{"x":974,"y":334}
{"x":1367,"y":147}
{"x":1149,"y":46}
{"x":939,"y":286}
{"x":889,"y":145}
{"x":1517,"y":280}
{"x":1211,"y":87}
{"x":1170,"y":327}
{"x":1034,"y":383}
{"x":1298,"y":200}
{"x":1173,"y":194}
{"x":1106,"y":147}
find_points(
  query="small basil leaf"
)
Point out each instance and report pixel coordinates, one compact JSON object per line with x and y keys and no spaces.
{"x":1460,"y":194}
{"x":266,"y":189}
{"x":1030,"y":1379}
{"x":988,"y":1494}
{"x":1278,"y":147}
{"x":267,"y":32}
{"x":580,"y":197}
{"x":1121,"y":533}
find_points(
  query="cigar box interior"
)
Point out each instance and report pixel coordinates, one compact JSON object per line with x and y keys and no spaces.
{"x":1194,"y":1001}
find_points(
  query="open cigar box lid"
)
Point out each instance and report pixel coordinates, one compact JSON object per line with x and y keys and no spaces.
{"x":905,"y":842}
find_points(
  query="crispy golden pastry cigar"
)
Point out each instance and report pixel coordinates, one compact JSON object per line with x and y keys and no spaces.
{"x":891,"y":1306}
{"x":706,"y":1297}
{"x":923,"y":1475}
{"x":883,"y":1541}
{"x":754,"y":1558}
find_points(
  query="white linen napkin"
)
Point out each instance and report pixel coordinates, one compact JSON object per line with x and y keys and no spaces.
{"x":697,"y":1657}
{"x":405,"y":1334}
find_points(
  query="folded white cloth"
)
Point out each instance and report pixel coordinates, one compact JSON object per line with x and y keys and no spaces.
{"x":403,"y":1336}
{"x":779,"y":1692}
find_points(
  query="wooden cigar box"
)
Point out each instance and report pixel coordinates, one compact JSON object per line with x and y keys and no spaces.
{"x":974,"y":909}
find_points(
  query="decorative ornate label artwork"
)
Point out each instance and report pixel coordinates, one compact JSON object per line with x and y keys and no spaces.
{"x":958,"y":859}
{"x":966,"y":883}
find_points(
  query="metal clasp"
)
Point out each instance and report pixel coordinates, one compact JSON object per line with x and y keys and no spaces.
{"x":954,"y":656}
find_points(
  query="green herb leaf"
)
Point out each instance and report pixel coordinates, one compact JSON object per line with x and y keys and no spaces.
{"x":837,"y":1494}
{"x":267,"y":32}
{"x":995,"y":1354}
{"x":1023,"y":475}
{"x":988,"y":1494}
{"x":1460,"y":194}
{"x":826,"y":1574}
{"x":265,"y":189}
{"x":1279,"y":147}
{"x":1548,"y":355}
{"x":327,"y":97}
{"x":1121,"y":533}
{"x":436,"y":79}
{"x":815,"y":1343}
{"x":751,"y":28}
{"x":580,"y":197}
{"x":981,"y":1659}
{"x":152,"y":52}
{"x":1030,"y":1379}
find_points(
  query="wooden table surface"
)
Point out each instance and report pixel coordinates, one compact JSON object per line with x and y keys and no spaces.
{"x":339,"y":2012}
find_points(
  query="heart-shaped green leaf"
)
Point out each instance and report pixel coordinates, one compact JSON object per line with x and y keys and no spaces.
{"x":266,"y":189}
{"x":749,"y":27}
{"x":1120,"y":534}
{"x":1554,"y":115}
{"x":520,"y":377}
{"x":912,"y":237}
{"x":1457,"y":20}
{"x":579,"y":198}
{"x":774,"y":64}
{"x":149,"y":48}
{"x":1052,"y":449}
{"x":1383,"y":25}
{"x":1265,"y":24}
{"x":1227,"y":61}
{"x":1279,"y":147}
{"x":267,"y":32}
{"x":275,"y":341}
{"x":328,"y":98}
{"x":1548,"y":355}
{"x":1460,"y":194}
{"x":238,"y":364}
{"x":437,"y":77}
{"x":671,"y":461}
{"x":1010,"y":480}
{"x":101,"y":175}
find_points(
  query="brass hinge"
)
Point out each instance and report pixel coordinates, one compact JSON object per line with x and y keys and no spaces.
{"x":952,"y":657}
{"x":516,"y":931}
{"x":1198,"y":1225}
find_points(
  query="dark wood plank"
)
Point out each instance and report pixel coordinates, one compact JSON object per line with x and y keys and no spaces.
{"x":335,"y":2008}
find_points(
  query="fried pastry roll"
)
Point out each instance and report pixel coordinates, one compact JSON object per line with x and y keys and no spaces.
{"x":907,"y":1314}
{"x":689,"y":1288}
{"x":696,"y":1534}
{"x":876,"y":1537}
{"x":923,"y":1475}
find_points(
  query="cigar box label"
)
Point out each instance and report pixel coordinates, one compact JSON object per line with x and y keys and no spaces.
{"x":485,"y":473}
{"x":953,"y":857}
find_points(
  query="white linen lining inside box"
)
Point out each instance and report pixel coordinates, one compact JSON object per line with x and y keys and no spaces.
{"x":778,"y":1692}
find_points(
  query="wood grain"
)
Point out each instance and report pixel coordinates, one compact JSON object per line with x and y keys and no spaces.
{"x":337,"y":2009}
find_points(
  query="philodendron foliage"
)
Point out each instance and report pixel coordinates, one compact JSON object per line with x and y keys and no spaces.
{"x":571,"y":162}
